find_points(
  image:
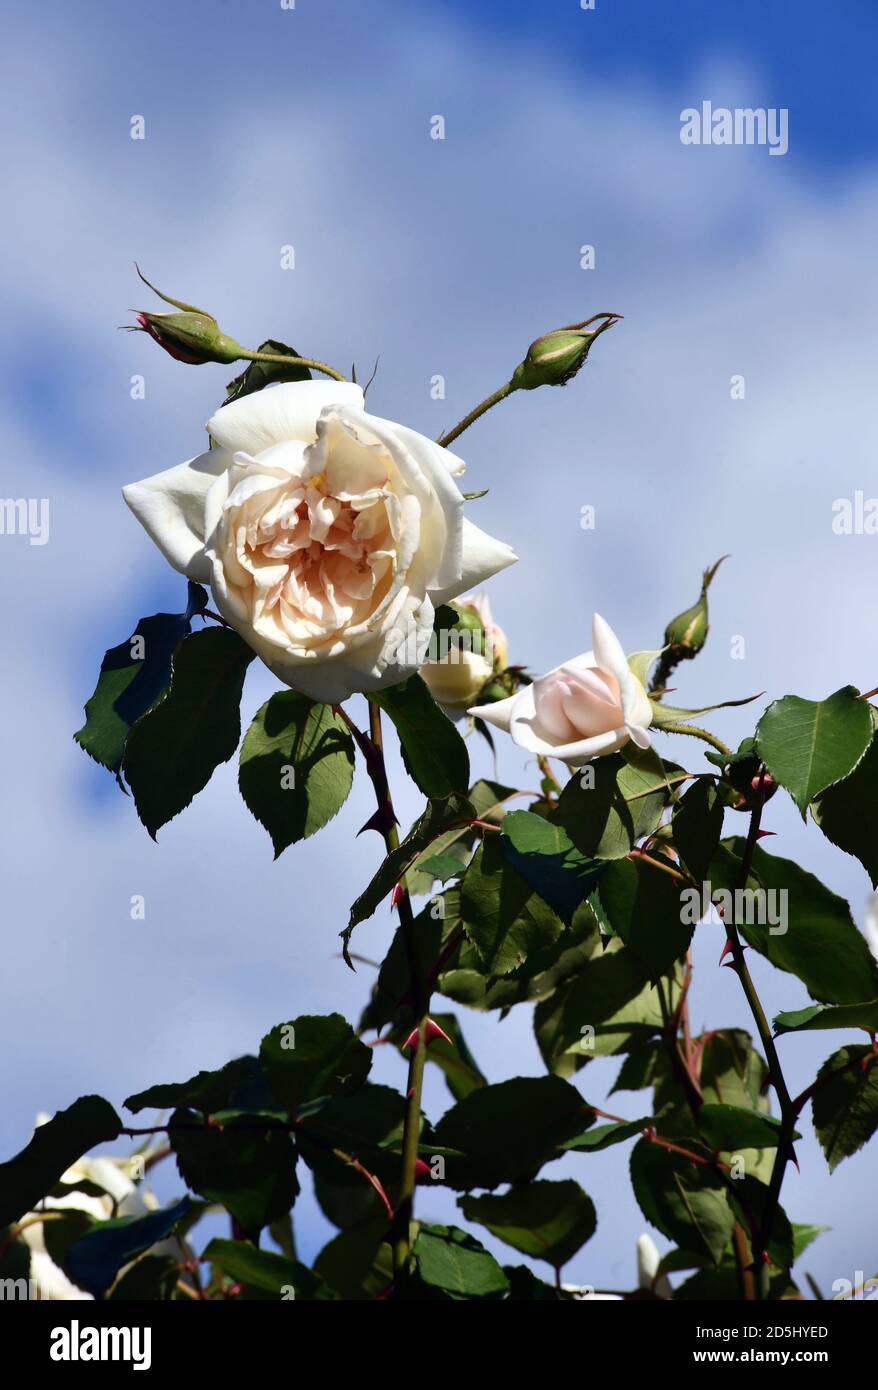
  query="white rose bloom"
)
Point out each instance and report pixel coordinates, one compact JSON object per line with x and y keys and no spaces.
{"x":327,"y":535}
{"x":648,"y":1261}
{"x":871,"y":924}
{"x":582,"y":710}
{"x":123,"y":1198}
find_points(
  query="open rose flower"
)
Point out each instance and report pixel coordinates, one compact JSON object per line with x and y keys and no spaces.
{"x":582,"y":710}
{"x":327,"y":535}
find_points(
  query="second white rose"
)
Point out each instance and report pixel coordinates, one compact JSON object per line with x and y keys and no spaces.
{"x":589,"y":707}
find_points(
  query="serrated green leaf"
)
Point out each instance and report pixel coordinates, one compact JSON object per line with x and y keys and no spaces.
{"x":357,"y":1263}
{"x":606,"y":1136}
{"x":844,"y":1105}
{"x":150,"y":1279}
{"x":548,"y":1221}
{"x":507,"y":1131}
{"x":94,"y":1260}
{"x":687,"y":1202}
{"x":697,"y":826}
{"x":847,"y":813}
{"x":209,"y":1091}
{"x":250,"y":1169}
{"x":433,"y":751}
{"x":313,"y":1056}
{"x":819,"y":1017}
{"x":644,"y":908}
{"x":503,"y":917}
{"x":820,"y":943}
{"x":296,"y":767}
{"x":626,"y":802}
{"x":133,"y":677}
{"x":449,"y":1259}
{"x":808,"y":745}
{"x":263,"y":1269}
{"x":732,"y":1071}
{"x":608,"y":1000}
{"x":172,"y":752}
{"x":730,"y":1127}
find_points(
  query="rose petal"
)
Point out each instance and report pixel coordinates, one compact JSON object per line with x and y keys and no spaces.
{"x":482,"y":557}
{"x":170,"y":508}
{"x":279,"y":413}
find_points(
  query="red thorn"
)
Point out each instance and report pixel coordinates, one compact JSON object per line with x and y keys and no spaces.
{"x":793,"y":1159}
{"x":727,"y":950}
{"x":397,"y":895}
{"x":432,"y":1031}
{"x":422,"y":1169}
{"x":380,"y":820}
{"x":761,"y":834}
{"x":765,"y":1259}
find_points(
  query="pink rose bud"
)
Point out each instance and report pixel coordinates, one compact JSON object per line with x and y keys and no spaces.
{"x":192,"y":335}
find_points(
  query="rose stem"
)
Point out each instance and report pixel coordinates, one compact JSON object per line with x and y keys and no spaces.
{"x":373,"y":752}
{"x":293,"y":362}
{"x":787,"y":1107}
{"x":695,"y":732}
{"x":474,"y":414}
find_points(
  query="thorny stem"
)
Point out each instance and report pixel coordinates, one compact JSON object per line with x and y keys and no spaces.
{"x":293,"y":362}
{"x":788,"y":1111}
{"x":373,"y":751}
{"x":480,"y":409}
{"x":695,"y":731}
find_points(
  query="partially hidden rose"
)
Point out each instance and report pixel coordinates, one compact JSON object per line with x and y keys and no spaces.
{"x":118,"y":1195}
{"x":458,"y":674}
{"x":590,"y":706}
{"x":327,"y":535}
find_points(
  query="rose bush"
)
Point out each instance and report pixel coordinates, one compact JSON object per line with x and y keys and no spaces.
{"x":586,"y":708}
{"x":323,"y":532}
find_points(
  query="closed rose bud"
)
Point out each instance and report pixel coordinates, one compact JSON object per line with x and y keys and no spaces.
{"x":687,"y":633}
{"x":191,"y":335}
{"x":471,"y":652}
{"x":556,"y":357}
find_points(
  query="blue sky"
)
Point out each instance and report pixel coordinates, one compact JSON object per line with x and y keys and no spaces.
{"x":311,"y":127}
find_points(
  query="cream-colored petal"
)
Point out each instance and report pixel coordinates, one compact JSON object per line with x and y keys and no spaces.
{"x":279,"y":413}
{"x":170,"y":508}
{"x":482,"y":557}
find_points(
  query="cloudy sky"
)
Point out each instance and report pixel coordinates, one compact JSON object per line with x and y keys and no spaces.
{"x":310,"y":127}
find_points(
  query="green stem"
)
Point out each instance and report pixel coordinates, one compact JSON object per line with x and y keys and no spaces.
{"x":695,"y":732}
{"x":787,"y":1106}
{"x":292,"y":362}
{"x":420,"y":995}
{"x":485,"y":405}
